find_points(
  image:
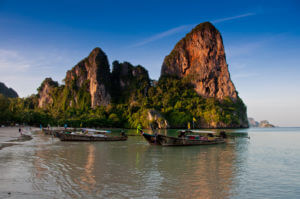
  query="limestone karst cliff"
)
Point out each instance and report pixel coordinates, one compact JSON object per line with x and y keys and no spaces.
{"x":194,"y":86}
{"x":93,"y":74}
{"x":200,"y":56}
{"x":45,"y":92}
{"x":86,"y":84}
{"x":91,"y":84}
{"x":126,"y":79}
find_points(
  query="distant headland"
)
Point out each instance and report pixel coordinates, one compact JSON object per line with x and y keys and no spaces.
{"x":261,"y":124}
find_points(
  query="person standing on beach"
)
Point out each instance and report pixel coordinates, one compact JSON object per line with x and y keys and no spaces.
{"x":20,"y":131}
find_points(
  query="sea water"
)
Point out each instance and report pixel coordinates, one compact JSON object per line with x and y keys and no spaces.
{"x":265,"y":166}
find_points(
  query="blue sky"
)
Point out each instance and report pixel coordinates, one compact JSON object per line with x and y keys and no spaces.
{"x":262,"y":43}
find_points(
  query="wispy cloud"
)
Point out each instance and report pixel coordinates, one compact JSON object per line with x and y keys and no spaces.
{"x":233,"y":18}
{"x":244,"y":48}
{"x":25,"y":70}
{"x":184,"y":28}
{"x":251,"y":46}
{"x":163,"y":34}
{"x":11,"y":61}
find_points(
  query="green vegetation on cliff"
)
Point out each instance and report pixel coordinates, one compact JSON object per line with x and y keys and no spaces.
{"x":194,"y":87}
{"x":174,"y":98}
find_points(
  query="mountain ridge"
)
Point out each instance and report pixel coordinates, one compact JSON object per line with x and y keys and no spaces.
{"x":8,"y":92}
{"x":194,"y":86}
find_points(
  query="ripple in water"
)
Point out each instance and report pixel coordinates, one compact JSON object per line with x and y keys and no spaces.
{"x":265,"y":165}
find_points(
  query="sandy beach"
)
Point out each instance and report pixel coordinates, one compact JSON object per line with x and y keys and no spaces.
{"x":10,"y":135}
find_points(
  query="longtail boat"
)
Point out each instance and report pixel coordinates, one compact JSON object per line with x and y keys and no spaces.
{"x":57,"y":131}
{"x":186,"y":138}
{"x":91,"y":135}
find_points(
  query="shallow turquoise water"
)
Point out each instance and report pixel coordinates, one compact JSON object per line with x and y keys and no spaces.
{"x":265,"y":166}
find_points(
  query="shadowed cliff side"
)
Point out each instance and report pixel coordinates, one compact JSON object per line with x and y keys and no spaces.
{"x":129,"y":82}
{"x":92,"y":74}
{"x":7,"y":92}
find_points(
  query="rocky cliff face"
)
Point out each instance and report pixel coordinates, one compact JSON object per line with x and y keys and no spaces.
{"x":90,"y":84}
{"x":8,"y":92}
{"x":157,"y":120}
{"x":93,"y":75}
{"x":198,"y":63}
{"x":45,"y":92}
{"x":127,"y":79}
{"x":200,"y":56}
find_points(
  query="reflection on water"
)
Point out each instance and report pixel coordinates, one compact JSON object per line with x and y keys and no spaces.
{"x":135,"y":169}
{"x":48,"y":168}
{"x":87,"y":176}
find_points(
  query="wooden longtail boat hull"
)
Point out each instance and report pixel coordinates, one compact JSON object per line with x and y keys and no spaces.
{"x":72,"y":137}
{"x":174,"y":141}
{"x":151,"y":139}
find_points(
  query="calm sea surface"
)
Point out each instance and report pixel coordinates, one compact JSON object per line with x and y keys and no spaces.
{"x":265,"y":166}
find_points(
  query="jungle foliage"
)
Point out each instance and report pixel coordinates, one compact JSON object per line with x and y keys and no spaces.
{"x":174,"y":98}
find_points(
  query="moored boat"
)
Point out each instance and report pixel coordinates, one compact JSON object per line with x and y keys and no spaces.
{"x":186,"y":138}
{"x":91,"y":135}
{"x":56,"y":132}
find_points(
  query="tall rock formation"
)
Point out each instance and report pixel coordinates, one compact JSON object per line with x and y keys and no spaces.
{"x":7,"y":92}
{"x":200,"y":56}
{"x":93,"y":75}
{"x":45,"y":92}
{"x":90,"y":84}
{"x":127,"y":80}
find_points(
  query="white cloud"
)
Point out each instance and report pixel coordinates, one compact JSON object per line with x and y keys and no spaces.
{"x":178,"y":29}
{"x":9,"y":53}
{"x":233,"y":18}
{"x":163,"y":34}
{"x":12,"y":62}
{"x":25,"y":70}
{"x":243,"y":48}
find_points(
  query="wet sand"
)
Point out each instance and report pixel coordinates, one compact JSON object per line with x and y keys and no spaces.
{"x":10,"y":136}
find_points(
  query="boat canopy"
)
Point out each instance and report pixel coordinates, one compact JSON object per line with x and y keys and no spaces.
{"x":198,"y":131}
{"x":96,"y":131}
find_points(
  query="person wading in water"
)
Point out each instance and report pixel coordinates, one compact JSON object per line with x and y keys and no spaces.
{"x":139,"y":129}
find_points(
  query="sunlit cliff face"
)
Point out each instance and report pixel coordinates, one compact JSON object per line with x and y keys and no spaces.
{"x":200,"y":56}
{"x":93,"y":73}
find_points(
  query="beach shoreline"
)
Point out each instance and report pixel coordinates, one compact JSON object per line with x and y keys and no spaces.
{"x":10,"y":136}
